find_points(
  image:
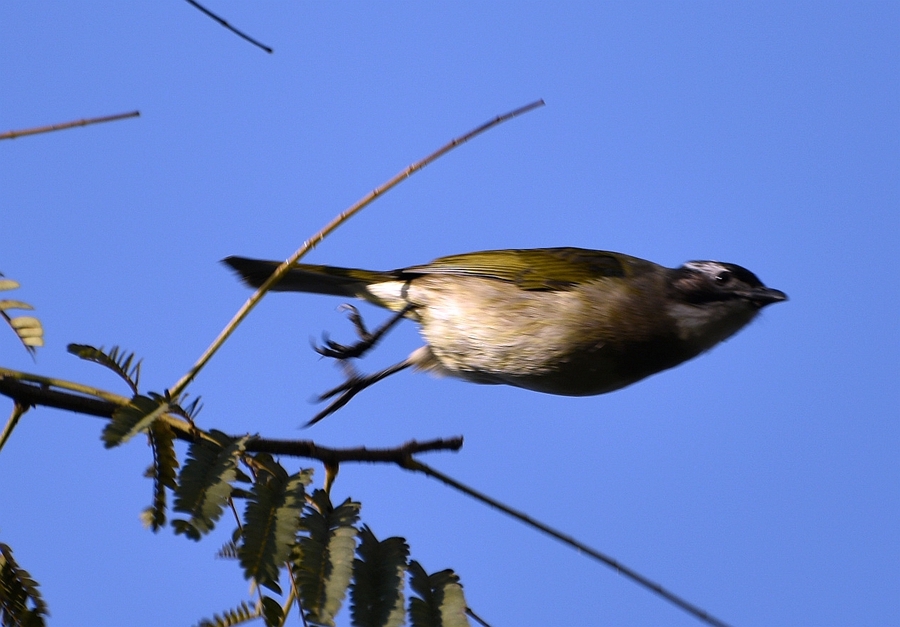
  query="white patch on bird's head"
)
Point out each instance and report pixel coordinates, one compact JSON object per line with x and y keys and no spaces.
{"x":709,"y":268}
{"x":726,"y":275}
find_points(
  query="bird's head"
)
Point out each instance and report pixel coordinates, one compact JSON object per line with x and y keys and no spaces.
{"x":712,"y":300}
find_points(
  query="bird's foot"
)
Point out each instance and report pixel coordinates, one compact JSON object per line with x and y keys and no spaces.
{"x":367,"y":340}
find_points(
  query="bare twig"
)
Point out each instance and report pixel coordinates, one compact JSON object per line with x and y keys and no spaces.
{"x":620,"y":568}
{"x":65,"y":125}
{"x":311,"y":243}
{"x":240,"y":34}
{"x":18,"y":411}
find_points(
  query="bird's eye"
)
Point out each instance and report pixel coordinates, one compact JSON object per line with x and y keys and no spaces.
{"x":723,"y":277}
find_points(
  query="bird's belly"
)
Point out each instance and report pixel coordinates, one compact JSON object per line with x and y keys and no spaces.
{"x":484,"y":333}
{"x":558,"y":342}
{"x":585,"y":376}
{"x":587,"y":371}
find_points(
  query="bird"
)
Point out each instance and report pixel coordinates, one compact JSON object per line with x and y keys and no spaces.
{"x":566,"y":321}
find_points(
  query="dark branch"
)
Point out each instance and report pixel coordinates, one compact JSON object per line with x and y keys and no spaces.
{"x":240,"y":34}
{"x":33,"y":395}
{"x":399,"y":455}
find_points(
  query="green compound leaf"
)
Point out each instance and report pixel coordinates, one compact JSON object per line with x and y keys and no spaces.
{"x":323,"y":564}
{"x":121,"y":363}
{"x":376,"y":594}
{"x":129,"y":420}
{"x":440,"y":601}
{"x":162,"y":471}
{"x":20,"y":600}
{"x":228,"y":551}
{"x":271,"y":521}
{"x":241,"y":614}
{"x":204,"y":485}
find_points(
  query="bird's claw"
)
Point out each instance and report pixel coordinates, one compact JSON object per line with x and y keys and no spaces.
{"x":355,"y":382}
{"x":367,"y":339}
{"x":357,"y":321}
{"x":330,"y":348}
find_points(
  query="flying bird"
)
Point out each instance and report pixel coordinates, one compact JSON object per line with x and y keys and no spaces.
{"x":566,"y":321}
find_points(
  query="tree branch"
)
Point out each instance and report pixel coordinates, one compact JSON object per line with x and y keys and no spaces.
{"x":35,"y":394}
{"x":28,"y":394}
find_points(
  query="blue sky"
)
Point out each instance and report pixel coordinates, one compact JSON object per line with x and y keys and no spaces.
{"x":761,"y":481}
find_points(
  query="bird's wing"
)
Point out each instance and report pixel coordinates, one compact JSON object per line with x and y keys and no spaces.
{"x":536,"y":268}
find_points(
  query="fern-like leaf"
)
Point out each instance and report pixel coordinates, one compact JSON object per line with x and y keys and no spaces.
{"x":324,"y":564}
{"x":27,"y":328}
{"x":129,"y":420}
{"x":228,"y":551}
{"x":440,"y":601}
{"x":162,"y":471}
{"x":189,"y":411}
{"x":205,"y":482}
{"x":376,"y":593}
{"x":120,"y":362}
{"x":20,"y":600}
{"x":271,"y":521}
{"x":241,"y":614}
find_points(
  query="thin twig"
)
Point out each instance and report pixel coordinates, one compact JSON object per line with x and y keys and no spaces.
{"x":65,"y":125}
{"x":240,"y":34}
{"x":18,"y":411}
{"x":176,"y":390}
{"x":635,"y":576}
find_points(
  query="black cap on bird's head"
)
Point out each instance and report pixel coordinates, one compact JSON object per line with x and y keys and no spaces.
{"x":699,"y":282}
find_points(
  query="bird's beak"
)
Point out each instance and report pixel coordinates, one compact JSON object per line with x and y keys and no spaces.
{"x":762,"y":296}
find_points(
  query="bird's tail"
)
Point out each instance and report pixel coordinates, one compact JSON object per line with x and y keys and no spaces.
{"x":308,"y":278}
